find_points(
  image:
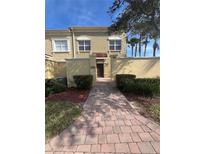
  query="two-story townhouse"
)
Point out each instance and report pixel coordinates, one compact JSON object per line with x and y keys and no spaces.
{"x":81,"y":42}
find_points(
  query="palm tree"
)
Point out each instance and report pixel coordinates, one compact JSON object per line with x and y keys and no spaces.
{"x":132,"y":42}
{"x":145,"y":45}
{"x":136,"y":44}
{"x":136,"y":49}
{"x":140,"y":41}
{"x":155,"y":47}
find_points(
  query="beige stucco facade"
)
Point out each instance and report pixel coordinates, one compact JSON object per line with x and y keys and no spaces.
{"x":141,"y":67}
{"x":80,"y":66}
{"x":99,"y":57}
{"x":54,"y":69}
{"x":99,"y":45}
{"x":50,"y":35}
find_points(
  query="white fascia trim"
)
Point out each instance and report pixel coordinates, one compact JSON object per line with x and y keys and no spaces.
{"x":68,"y":39}
{"x":81,"y":38}
{"x":114,"y":37}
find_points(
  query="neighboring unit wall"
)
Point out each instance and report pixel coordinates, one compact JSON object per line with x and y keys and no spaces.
{"x":54,"y":69}
{"x":48,"y":46}
{"x":80,"y":66}
{"x":51,"y":35}
{"x":141,"y":67}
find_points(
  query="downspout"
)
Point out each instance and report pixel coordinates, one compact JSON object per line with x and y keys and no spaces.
{"x":73,"y":41}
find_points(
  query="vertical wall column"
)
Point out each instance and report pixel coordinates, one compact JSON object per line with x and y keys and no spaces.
{"x":93,"y":67}
{"x":112,"y":61}
{"x":73,"y":42}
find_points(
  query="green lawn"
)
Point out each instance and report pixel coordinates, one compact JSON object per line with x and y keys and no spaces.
{"x":155,"y":111}
{"x":149,"y":110}
{"x":59,"y":115}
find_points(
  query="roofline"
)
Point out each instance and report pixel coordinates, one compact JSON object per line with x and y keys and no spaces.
{"x":101,"y":29}
{"x":79,"y":27}
{"x":57,"y":30}
{"x":89,"y":27}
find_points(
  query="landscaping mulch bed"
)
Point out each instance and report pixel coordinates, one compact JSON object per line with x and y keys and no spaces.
{"x":148,"y":107}
{"x":133,"y":97}
{"x":71,"y":94}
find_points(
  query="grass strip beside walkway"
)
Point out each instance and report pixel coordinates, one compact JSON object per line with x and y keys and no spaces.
{"x":59,"y":115}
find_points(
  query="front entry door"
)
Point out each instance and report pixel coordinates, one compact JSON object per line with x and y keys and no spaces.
{"x":100,"y":70}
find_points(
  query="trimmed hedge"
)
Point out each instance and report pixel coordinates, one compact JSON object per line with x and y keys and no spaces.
{"x":62,"y":80}
{"x":83,"y":81}
{"x":147,"y":87}
{"x":123,"y":79}
{"x":53,"y":86}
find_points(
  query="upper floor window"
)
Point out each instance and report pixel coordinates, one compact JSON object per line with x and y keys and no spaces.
{"x":61,"y":45}
{"x":84,"y":45}
{"x":115,"y":45}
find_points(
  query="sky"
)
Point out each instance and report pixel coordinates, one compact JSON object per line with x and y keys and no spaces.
{"x":61,"y":14}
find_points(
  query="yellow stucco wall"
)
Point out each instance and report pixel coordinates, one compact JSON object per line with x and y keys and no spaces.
{"x":49,"y":69}
{"x":99,"y":44}
{"x":48,"y":46}
{"x":58,"y":56}
{"x":54,"y":69}
{"x":141,"y":67}
{"x":61,"y":69}
{"x":79,"y":66}
{"x":61,"y":56}
{"x":99,"y":41}
{"x":107,"y":68}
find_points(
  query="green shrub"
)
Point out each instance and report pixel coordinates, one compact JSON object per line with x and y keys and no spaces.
{"x":147,"y":87}
{"x":62,"y":80}
{"x":125,"y":79}
{"x":47,"y":91}
{"x":83,"y":81}
{"x":53,"y":86}
{"x":142,"y":89}
{"x":128,"y":85}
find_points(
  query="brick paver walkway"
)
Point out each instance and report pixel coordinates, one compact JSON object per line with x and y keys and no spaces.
{"x":108,"y":124}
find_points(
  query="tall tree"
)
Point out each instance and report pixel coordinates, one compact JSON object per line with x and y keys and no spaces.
{"x":140,"y":41}
{"x":136,"y":17}
{"x":155,"y":47}
{"x":132,"y":42}
{"x":145,"y":45}
{"x":136,"y":44}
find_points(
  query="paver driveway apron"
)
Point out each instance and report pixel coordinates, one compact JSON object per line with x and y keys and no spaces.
{"x":108,"y":124}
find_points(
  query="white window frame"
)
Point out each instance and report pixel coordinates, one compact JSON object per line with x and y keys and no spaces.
{"x":61,"y":39}
{"x":115,"y":44}
{"x":84,"y":45}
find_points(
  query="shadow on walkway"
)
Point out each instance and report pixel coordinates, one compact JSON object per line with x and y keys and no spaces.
{"x":106,"y":111}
